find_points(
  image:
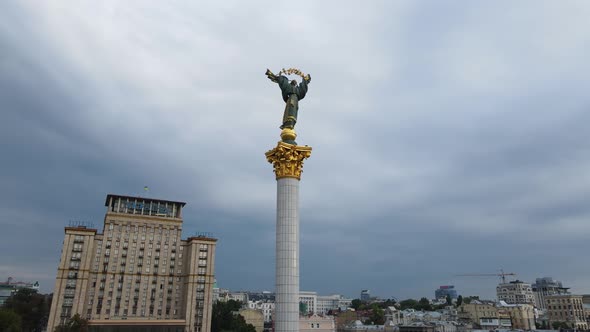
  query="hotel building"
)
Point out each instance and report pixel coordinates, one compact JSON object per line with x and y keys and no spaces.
{"x":138,"y":274}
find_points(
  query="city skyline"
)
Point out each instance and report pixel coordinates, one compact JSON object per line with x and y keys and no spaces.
{"x":448,"y":138}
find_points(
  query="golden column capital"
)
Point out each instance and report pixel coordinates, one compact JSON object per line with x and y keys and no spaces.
{"x":287,"y":159}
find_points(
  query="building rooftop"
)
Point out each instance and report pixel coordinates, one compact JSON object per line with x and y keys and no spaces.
{"x":106,"y":203}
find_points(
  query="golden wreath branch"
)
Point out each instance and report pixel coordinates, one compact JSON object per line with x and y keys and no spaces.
{"x":289,"y":71}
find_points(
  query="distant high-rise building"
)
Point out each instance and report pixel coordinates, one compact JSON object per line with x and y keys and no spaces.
{"x":138,"y":273}
{"x":443,"y":291}
{"x":10,"y":287}
{"x":544,"y":287}
{"x":515,"y":292}
{"x":365,"y":295}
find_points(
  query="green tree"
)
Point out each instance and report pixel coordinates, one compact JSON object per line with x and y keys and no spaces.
{"x":459,"y":300}
{"x":356,"y":304}
{"x":408,"y":304}
{"x":302,"y":308}
{"x":225,"y":318}
{"x":560,"y":325}
{"x":449,"y":299}
{"x":9,"y":321}
{"x":33,"y":309}
{"x":74,"y":324}
{"x":377,"y":316}
{"x":424,"y":304}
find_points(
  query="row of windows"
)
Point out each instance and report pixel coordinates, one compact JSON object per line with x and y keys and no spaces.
{"x":554,"y":307}
{"x":143,"y":229}
{"x":131,"y":269}
{"x":141,"y":245}
{"x":576,"y":301}
{"x":145,"y":207}
{"x":125,"y":312}
{"x":107,"y":252}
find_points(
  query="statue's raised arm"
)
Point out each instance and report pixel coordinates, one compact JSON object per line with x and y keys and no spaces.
{"x":271,"y":76}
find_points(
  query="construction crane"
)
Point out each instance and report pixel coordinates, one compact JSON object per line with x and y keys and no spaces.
{"x":502,"y":275}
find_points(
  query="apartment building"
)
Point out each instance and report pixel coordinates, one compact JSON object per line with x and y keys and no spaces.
{"x":566,"y":308}
{"x":515,"y":292}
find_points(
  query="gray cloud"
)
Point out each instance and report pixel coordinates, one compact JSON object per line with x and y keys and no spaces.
{"x":447,"y":138}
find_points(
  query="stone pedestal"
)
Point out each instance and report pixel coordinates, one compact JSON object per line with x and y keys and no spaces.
{"x":287,"y":160}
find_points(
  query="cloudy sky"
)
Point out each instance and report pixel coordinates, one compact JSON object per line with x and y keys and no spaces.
{"x":449,"y":137}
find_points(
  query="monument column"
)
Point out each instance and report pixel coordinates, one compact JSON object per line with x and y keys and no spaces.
{"x":287,"y":160}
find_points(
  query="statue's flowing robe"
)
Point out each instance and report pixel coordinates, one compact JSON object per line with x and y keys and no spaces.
{"x":292,"y":94}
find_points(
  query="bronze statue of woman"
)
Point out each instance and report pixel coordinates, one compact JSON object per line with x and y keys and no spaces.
{"x":292,"y":94}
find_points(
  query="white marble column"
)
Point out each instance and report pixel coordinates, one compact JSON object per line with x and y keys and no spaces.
{"x":287,"y":160}
{"x":287,"y":256}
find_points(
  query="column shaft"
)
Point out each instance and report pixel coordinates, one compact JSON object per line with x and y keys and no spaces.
{"x":287,"y":256}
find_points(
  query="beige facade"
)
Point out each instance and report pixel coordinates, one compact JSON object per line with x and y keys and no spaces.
{"x":515,"y":316}
{"x":138,"y":272}
{"x":254,"y":317}
{"x":522,"y":316}
{"x":316,"y":323}
{"x":566,"y":308}
{"x":515,"y":292}
{"x":483,"y":314}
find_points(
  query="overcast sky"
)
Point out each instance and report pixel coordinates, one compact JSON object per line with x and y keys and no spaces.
{"x":448,"y":137}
